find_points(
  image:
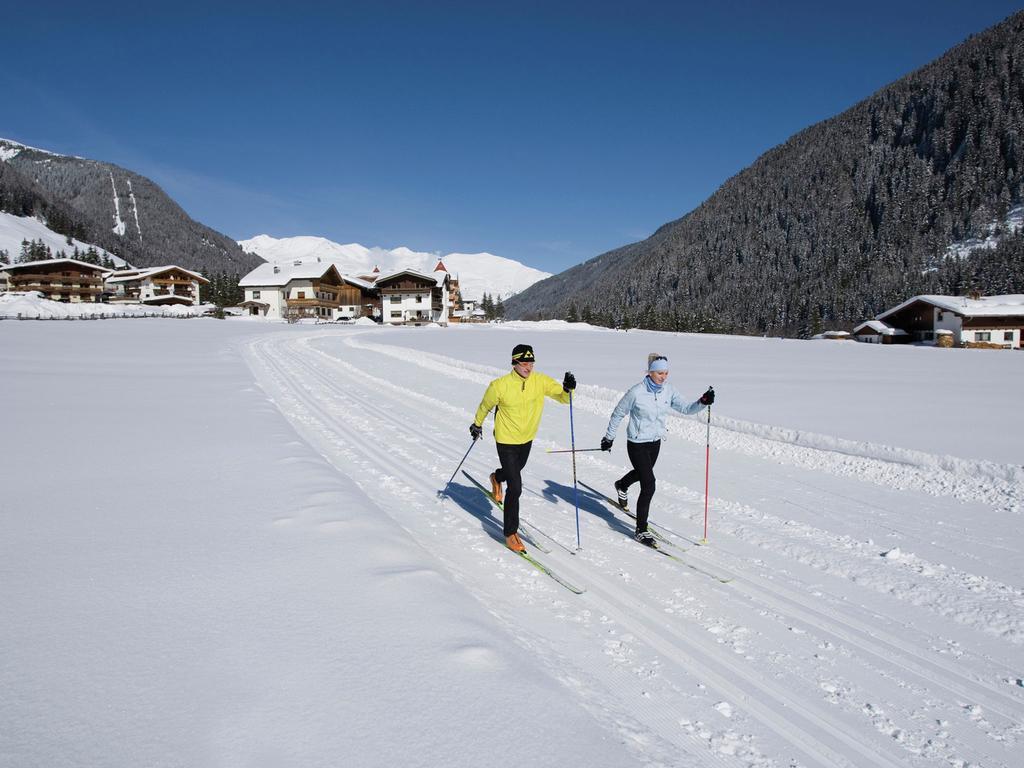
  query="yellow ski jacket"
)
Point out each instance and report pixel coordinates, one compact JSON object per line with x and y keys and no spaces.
{"x":520,"y":403}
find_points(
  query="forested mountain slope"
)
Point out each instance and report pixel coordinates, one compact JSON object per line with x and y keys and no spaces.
{"x":116,"y":209}
{"x":848,"y":217}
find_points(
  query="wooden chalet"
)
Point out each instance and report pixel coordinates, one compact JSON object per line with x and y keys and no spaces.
{"x":156,"y":286}
{"x":67,"y":280}
{"x":990,"y":321}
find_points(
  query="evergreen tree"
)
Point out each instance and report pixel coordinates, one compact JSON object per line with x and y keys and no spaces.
{"x":487,"y":305}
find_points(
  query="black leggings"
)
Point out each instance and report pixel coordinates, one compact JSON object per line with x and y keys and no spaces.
{"x":513,"y":458}
{"x":643,"y":457}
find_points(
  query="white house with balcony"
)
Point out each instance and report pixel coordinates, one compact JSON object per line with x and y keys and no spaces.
{"x":409,"y":297}
{"x":156,"y":285}
{"x":297,"y":289}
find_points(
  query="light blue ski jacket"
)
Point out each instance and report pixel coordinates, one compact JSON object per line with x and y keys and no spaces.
{"x":647,"y":412}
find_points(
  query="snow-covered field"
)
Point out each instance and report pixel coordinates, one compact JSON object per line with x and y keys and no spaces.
{"x":221,"y":544}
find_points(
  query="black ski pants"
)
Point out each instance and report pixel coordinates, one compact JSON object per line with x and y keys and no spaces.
{"x":643,"y":457}
{"x":513,"y":458}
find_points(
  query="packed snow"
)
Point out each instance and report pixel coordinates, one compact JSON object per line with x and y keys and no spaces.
{"x":478,"y":273}
{"x":222,"y":543}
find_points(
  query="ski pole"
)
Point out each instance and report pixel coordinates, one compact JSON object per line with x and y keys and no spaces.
{"x":707,"y":470}
{"x":572,"y":438}
{"x":575,"y":450}
{"x":444,"y":491}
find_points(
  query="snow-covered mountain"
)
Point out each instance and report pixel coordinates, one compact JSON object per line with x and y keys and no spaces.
{"x":478,"y":273}
{"x":15,"y":229}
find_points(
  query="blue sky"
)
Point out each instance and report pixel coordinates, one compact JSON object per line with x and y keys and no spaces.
{"x":544,"y":132}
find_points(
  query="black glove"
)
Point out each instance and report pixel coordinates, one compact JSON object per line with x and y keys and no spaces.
{"x":708,"y":397}
{"x":569,"y":382}
{"x":606,"y":444}
{"x":475,"y":431}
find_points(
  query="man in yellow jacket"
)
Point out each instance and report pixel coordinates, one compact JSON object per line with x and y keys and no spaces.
{"x":519,"y":397}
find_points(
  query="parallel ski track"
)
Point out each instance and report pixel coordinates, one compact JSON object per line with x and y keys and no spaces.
{"x":1002,"y":597}
{"x":884,"y":647}
{"x":816,"y":735}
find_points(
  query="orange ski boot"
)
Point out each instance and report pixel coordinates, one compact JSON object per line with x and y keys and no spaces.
{"x":496,"y":492}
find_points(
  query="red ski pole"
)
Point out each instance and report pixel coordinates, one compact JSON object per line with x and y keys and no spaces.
{"x":707,"y":471}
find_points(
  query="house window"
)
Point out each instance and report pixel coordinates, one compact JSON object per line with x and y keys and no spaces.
{"x":396,"y":315}
{"x":419,"y":299}
{"x":1007,"y":335}
{"x":983,"y":336}
{"x":395,"y":299}
{"x":301,"y":294}
{"x":255,"y":294}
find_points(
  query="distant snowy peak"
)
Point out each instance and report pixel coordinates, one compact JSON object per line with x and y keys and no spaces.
{"x":478,"y":273}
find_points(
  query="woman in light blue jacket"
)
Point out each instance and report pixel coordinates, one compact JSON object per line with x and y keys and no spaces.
{"x":647,"y":405}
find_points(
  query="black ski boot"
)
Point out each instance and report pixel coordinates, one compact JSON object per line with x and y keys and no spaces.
{"x":646,"y":538}
{"x":622,"y":497}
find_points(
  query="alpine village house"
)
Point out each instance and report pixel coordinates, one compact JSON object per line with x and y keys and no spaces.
{"x":316,"y":289}
{"x":950,"y":321}
{"x":73,"y":281}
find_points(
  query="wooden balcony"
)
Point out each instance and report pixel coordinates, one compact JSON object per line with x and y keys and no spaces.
{"x":56,"y":276}
{"x":51,"y":286}
{"x":308,"y":303}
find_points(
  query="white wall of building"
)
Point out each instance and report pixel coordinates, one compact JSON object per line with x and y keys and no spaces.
{"x":273,"y":297}
{"x":944,"y":320}
{"x":409,"y":306}
{"x":1006,"y":336}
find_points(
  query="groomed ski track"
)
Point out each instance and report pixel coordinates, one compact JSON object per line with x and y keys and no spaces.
{"x":766,"y":670}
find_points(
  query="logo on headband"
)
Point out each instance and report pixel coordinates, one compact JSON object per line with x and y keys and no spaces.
{"x":522,"y":353}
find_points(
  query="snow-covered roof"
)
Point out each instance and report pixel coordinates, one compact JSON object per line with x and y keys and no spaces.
{"x":49,"y":262}
{"x":364,"y":284}
{"x":270,"y":274}
{"x":167,"y":298}
{"x":880,"y":328}
{"x":437,"y":278}
{"x":1011,"y":304}
{"x":128,"y":275}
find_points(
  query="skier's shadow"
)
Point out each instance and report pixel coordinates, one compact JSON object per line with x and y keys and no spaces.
{"x":589,"y":502}
{"x":473,"y":501}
